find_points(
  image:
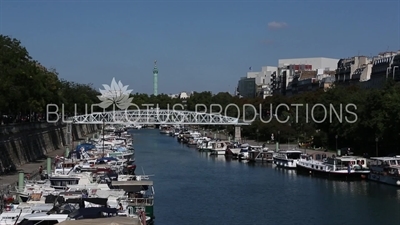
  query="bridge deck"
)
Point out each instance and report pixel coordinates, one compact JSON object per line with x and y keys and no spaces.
{"x":156,"y":116}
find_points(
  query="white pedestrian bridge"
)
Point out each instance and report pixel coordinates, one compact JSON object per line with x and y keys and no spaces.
{"x":156,"y":116}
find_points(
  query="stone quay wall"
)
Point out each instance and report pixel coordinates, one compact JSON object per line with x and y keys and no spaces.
{"x":25,"y":143}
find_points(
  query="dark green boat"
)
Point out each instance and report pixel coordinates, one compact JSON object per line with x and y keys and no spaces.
{"x":140,"y":196}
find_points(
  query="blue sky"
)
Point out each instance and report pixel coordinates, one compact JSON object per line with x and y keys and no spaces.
{"x":199,"y":45}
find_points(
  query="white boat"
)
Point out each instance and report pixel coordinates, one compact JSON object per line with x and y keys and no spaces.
{"x":164,"y":129}
{"x":105,"y":144}
{"x":346,"y":167}
{"x":244,"y":153}
{"x":246,"y":149}
{"x":15,"y":215}
{"x":205,"y":146}
{"x":287,"y":158}
{"x":218,"y":148}
{"x":137,"y":127}
{"x":32,"y":218}
{"x":140,"y":196}
{"x":109,"y":128}
{"x":385,"y":170}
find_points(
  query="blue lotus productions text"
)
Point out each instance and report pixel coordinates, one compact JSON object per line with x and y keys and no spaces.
{"x":249,"y":113}
{"x":246,"y":113}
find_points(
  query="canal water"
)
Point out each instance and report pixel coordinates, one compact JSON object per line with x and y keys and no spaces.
{"x":195,"y":188}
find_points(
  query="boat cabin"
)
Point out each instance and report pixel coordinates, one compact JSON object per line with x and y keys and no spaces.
{"x":354,"y":161}
{"x":65,"y":167}
{"x":385,"y":165}
{"x":289,"y":154}
{"x":205,"y":144}
{"x":261,"y":155}
{"x":219,"y":145}
{"x":61,"y":182}
{"x":346,"y":161}
{"x":385,"y":161}
{"x":140,"y":195}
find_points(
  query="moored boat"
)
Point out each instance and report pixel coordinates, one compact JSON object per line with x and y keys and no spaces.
{"x":346,"y":167}
{"x":219,"y":148}
{"x":140,"y":196}
{"x":287,"y":158}
{"x":261,"y":155}
{"x":385,"y":170}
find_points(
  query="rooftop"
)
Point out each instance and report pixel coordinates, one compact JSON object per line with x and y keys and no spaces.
{"x":307,"y":75}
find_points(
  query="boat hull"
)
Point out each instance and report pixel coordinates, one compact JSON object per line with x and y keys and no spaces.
{"x":261,"y":160}
{"x":391,"y":180}
{"x":287,"y":164}
{"x":341,"y":174}
{"x":217,"y":152}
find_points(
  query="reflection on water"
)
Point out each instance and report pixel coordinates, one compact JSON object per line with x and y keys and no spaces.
{"x":266,"y":165}
{"x":199,"y":185}
{"x":283,"y":171}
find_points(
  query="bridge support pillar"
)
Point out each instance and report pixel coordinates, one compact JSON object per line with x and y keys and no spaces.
{"x":238,"y":134}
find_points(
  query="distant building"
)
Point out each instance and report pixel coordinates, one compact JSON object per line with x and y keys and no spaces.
{"x":181,"y":95}
{"x":368,"y":72}
{"x":310,"y":80}
{"x":256,"y":83}
{"x":328,"y":64}
{"x":247,"y":87}
{"x":353,"y":70}
{"x":303,"y":74}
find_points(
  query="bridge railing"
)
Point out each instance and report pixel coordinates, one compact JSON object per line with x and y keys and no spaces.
{"x":157,"y":117}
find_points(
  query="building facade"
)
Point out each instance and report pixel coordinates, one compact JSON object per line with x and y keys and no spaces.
{"x":247,"y":87}
{"x":256,"y":83}
{"x":368,"y":72}
{"x":328,"y":64}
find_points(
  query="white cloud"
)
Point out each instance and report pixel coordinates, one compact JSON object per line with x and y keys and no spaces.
{"x":276,"y":25}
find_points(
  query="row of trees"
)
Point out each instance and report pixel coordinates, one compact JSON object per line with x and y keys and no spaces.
{"x":26,"y":87}
{"x":367,"y":120}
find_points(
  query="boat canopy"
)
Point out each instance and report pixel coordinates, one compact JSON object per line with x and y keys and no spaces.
{"x":91,"y":213}
{"x":97,"y":201}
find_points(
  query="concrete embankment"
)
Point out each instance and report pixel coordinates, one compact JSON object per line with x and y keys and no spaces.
{"x":25,"y":143}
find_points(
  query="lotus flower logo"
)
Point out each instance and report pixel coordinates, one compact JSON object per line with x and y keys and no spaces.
{"x":116,"y":94}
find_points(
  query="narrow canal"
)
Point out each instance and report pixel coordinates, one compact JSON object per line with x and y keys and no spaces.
{"x":195,"y":188}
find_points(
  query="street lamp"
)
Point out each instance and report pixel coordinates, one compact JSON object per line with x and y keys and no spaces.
{"x":257,"y":135}
{"x":104,"y":120}
{"x":279,"y":140}
{"x":336,"y":142}
{"x":279,"y":136}
{"x":376,"y":140}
